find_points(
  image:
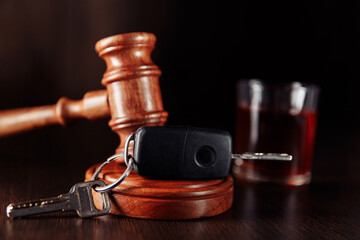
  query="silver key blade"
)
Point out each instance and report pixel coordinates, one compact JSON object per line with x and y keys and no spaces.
{"x":37,"y":207}
{"x":80,"y":199}
{"x":262,"y":156}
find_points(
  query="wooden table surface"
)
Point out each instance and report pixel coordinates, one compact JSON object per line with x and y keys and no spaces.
{"x":328,"y":208}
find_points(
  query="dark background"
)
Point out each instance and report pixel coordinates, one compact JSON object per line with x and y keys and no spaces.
{"x":47,"y":51}
{"x":203,"y":48}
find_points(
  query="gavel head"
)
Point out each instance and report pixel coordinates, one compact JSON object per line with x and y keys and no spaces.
{"x":132,"y":82}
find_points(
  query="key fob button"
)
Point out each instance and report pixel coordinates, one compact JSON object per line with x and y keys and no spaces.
{"x":205,"y":156}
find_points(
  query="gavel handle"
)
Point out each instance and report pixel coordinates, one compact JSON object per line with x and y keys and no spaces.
{"x":94,"y":105}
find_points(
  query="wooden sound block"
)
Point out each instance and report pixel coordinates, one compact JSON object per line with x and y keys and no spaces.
{"x":140,"y":197}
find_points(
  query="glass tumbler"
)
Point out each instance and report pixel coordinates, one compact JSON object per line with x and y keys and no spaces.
{"x":276,"y":118}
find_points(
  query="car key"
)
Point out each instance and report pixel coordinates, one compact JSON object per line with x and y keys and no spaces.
{"x":168,"y":152}
{"x":159,"y":152}
{"x":79,"y":198}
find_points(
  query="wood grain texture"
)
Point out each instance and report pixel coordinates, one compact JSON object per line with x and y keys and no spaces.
{"x":132,"y":82}
{"x":158,"y":199}
{"x":93,"y":106}
{"x":326,"y":209}
{"x":133,"y":96}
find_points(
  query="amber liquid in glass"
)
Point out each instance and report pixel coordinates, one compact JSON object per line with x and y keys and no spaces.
{"x":276,"y":132}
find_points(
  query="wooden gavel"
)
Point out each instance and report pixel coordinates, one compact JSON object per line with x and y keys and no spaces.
{"x":132,"y":97}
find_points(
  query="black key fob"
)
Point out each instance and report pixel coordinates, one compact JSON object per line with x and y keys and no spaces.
{"x":165,"y":152}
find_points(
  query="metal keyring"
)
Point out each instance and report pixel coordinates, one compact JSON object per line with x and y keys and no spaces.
{"x":129,"y":161}
{"x":126,"y":147}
